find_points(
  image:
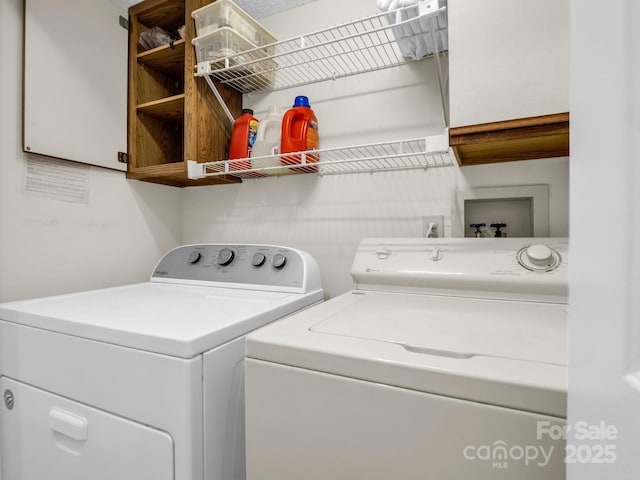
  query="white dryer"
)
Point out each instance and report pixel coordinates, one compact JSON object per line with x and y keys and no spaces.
{"x":144,"y":381}
{"x":448,"y":360}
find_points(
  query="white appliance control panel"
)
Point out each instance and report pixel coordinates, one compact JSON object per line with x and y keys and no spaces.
{"x":237,"y":265}
{"x":509,"y":268}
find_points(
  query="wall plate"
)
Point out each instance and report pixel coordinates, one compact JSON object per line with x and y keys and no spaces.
{"x":539,"y":195}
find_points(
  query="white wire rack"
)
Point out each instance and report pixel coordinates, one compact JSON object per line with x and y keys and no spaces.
{"x":360,"y":46}
{"x":421,"y":153}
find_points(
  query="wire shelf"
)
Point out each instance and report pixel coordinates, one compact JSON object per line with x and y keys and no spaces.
{"x":365,"y":45}
{"x":414,"y":154}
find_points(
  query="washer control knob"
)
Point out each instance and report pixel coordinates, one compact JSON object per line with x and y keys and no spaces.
{"x":279,"y":260}
{"x":539,"y":258}
{"x":436,"y":255}
{"x":225,"y":257}
{"x":194,"y":257}
{"x":539,"y":254}
{"x":383,"y":253}
{"x":258,"y":259}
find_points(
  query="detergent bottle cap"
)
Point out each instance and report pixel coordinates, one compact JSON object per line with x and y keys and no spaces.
{"x":301,"y":101}
{"x":247,"y":110}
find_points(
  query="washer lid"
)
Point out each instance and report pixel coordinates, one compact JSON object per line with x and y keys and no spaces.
{"x":505,"y":353}
{"x":178,"y":320}
{"x":456,"y":327}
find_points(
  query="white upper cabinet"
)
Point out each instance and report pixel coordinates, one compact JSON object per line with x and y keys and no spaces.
{"x":508,"y":59}
{"x":75,"y":81}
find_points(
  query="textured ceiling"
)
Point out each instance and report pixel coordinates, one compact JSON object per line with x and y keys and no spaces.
{"x":255,"y":8}
{"x":266,"y":8}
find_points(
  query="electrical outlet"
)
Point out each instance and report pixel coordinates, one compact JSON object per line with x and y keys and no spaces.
{"x":437,"y":231}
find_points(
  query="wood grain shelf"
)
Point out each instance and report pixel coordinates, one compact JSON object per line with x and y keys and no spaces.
{"x":165,"y":59}
{"x":544,"y":136}
{"x":170,"y":108}
{"x":175,"y":175}
{"x":168,"y":14}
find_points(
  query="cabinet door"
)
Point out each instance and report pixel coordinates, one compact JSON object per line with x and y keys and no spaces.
{"x":75,"y":81}
{"x":47,"y":436}
{"x":507,"y":59}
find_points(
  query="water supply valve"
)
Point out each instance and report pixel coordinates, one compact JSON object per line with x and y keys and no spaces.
{"x":498,"y":226}
{"x":477,"y":226}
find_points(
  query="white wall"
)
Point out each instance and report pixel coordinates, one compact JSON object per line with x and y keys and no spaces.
{"x":49,"y":246}
{"x":327,"y":216}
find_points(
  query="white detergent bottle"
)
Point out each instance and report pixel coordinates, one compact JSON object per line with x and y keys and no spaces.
{"x":268,"y":139}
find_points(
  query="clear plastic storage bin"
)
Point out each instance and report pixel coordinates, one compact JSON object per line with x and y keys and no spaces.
{"x":220,"y":43}
{"x":225,"y":42}
{"x":225,"y":13}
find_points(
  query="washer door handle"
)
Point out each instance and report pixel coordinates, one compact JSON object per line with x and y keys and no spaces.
{"x":68,"y":424}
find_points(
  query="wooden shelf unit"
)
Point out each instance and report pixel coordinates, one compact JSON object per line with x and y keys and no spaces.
{"x":173,"y":116}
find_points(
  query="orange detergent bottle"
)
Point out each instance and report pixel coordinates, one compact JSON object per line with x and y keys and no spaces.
{"x":243,"y":136}
{"x":299,"y":134}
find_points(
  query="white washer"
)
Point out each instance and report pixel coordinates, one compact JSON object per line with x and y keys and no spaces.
{"x":144,"y":381}
{"x":448,"y":360}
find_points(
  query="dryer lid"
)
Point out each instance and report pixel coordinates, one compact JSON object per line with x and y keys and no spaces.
{"x":171,"y":319}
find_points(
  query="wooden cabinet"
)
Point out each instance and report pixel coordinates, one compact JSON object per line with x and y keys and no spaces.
{"x":544,"y":136}
{"x":509,"y":79}
{"x":172,"y":115}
